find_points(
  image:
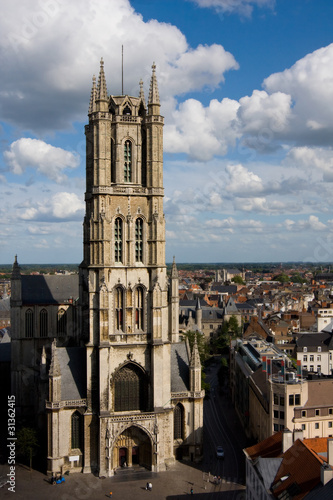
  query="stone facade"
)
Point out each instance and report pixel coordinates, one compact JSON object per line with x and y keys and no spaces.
{"x":120,"y":388}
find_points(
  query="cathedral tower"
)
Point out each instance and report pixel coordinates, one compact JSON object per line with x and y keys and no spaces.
{"x":125,"y":285}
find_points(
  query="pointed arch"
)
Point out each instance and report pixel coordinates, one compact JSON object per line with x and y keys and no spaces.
{"x":118,"y":239}
{"x":139,"y":298}
{"x":139,"y":240}
{"x":62,"y":322}
{"x":76,"y":430}
{"x":130,"y":388}
{"x":29,"y":323}
{"x":178,"y":421}
{"x":119,"y":308}
{"x":43,"y":323}
{"x":128,"y":161}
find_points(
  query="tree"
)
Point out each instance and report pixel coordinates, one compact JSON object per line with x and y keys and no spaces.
{"x":238,"y":279}
{"x":27,"y":443}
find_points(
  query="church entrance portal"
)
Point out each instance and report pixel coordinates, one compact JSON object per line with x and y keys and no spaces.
{"x":133,"y":447}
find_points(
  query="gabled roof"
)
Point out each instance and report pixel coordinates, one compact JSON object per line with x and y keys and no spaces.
{"x":179,"y":368}
{"x":72,"y":363}
{"x":57,"y":289}
{"x":299,"y":471}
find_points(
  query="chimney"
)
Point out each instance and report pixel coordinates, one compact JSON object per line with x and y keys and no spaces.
{"x":326,"y":473}
{"x":287,"y":440}
{"x":298,"y":434}
{"x":330,"y":452}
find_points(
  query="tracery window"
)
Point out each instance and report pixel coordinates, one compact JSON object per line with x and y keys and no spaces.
{"x":29,"y":323}
{"x":178,"y":422}
{"x":139,"y":308}
{"x":62,"y":322}
{"x":128,"y":161}
{"x":130,"y":389}
{"x":119,"y":298}
{"x":76,"y":424}
{"x":138,"y":240}
{"x":118,"y":240}
{"x":43,"y":320}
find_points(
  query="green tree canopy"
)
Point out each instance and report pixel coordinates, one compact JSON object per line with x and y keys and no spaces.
{"x":27,"y":443}
{"x":238,"y":279}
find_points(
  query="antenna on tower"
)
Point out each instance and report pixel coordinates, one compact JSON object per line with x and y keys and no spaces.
{"x":122,"y":70}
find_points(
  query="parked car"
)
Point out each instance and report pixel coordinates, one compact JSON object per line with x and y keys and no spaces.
{"x":219,"y":452}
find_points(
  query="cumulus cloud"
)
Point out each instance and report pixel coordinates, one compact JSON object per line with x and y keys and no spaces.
{"x":312,"y":158}
{"x":45,"y":84}
{"x":309,"y":83}
{"x":46,"y":159}
{"x":242,"y":7}
{"x":215,"y":125}
{"x":312,"y":223}
{"x":61,"y":206}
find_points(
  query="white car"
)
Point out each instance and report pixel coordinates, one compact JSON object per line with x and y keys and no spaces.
{"x":220,"y":452}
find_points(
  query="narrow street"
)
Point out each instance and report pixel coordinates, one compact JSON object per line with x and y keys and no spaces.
{"x":221,"y":428}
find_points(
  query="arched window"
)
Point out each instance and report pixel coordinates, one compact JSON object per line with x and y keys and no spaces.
{"x":139,"y":308}
{"x":29,"y":323}
{"x":128,"y":161}
{"x":178,"y":422}
{"x":43,"y":327}
{"x":76,"y":424}
{"x":118,"y":240}
{"x":144,"y":158}
{"x":130,"y":389}
{"x":119,"y":308}
{"x":62,"y":322}
{"x":138,"y":240}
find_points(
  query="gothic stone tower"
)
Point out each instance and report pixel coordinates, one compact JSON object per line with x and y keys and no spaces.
{"x":128,"y":325}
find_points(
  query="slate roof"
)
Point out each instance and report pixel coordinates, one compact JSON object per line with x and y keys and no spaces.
{"x":57,"y":289}
{"x":268,"y":468}
{"x":179,"y":368}
{"x":230,"y":289}
{"x":314,"y":340}
{"x":5,"y":304}
{"x":5,"y":352}
{"x":72,"y":361}
{"x":320,"y":393}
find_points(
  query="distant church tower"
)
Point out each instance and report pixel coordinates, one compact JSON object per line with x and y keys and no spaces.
{"x":135,"y":411}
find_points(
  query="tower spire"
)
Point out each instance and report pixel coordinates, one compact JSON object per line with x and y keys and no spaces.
{"x":102,"y":92}
{"x":174,"y":270}
{"x":141,"y":93}
{"x":92,"y":104}
{"x":154,"y":98}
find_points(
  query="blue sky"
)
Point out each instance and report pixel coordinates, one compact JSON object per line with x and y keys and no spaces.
{"x":246,"y":90}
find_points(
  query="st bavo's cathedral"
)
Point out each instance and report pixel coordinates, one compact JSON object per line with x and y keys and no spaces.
{"x":97,"y":361}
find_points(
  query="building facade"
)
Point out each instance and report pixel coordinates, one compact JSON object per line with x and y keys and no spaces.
{"x":125,"y":391}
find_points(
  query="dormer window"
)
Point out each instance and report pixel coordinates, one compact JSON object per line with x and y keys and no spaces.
{"x":319,"y":349}
{"x":305,"y":349}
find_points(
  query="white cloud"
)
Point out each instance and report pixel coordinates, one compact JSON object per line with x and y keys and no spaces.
{"x":61,"y":206}
{"x":312,"y":158}
{"x":242,"y":181}
{"x":242,"y":7}
{"x":45,"y":84}
{"x":46,"y":159}
{"x":309,"y":83}
{"x":213,"y":124}
{"x":312,"y":223}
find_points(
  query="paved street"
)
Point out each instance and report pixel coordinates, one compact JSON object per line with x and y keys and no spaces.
{"x":220,"y":428}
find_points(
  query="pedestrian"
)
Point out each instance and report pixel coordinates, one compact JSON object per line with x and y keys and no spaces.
{"x":147,"y":486}
{"x":110,"y":494}
{"x":150,"y":486}
{"x":192,"y":491}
